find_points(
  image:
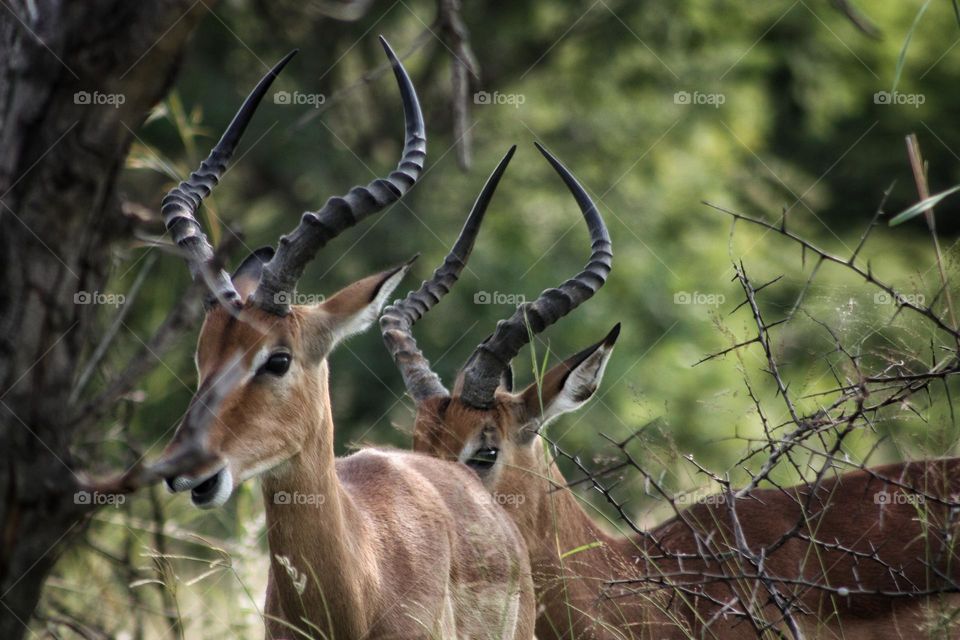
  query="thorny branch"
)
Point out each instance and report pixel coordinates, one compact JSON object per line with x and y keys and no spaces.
{"x":814,"y":428}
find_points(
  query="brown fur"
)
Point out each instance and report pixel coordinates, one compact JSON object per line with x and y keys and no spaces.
{"x":390,"y":544}
{"x":577,"y":599}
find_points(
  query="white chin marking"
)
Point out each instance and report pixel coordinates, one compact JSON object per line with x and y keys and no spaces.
{"x":223,"y":493}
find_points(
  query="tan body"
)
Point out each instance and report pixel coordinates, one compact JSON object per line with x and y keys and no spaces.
{"x":381,"y":544}
{"x":636,"y":587}
{"x":401,"y":547}
{"x":580,"y":590}
{"x":860,"y":566}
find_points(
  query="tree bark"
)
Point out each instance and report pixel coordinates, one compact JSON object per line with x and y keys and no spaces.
{"x":76,"y":80}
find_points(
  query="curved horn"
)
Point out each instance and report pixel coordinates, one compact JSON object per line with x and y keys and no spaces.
{"x":279,"y":280}
{"x":398,"y":319}
{"x":481,"y":374}
{"x":181,"y":203}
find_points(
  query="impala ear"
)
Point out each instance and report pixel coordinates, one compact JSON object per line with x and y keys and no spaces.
{"x":247,"y":276}
{"x":357,"y":306}
{"x":567,"y":386}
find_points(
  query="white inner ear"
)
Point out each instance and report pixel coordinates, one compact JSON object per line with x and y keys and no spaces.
{"x":363,"y":319}
{"x":579,"y":386}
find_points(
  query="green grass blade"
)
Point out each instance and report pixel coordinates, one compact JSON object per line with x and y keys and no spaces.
{"x":583,"y":547}
{"x":922,"y":206}
{"x":906,"y":43}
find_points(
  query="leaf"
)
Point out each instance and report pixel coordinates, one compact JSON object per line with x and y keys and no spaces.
{"x":922,"y":206}
{"x":906,"y":43}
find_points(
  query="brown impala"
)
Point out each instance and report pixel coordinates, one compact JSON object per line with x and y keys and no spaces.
{"x":860,"y":567}
{"x":380,"y":544}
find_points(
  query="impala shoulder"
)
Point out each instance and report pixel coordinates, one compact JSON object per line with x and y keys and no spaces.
{"x":370,"y":464}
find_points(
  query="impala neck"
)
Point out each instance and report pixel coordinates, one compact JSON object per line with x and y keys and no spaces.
{"x":573,"y":563}
{"x":314,"y":524}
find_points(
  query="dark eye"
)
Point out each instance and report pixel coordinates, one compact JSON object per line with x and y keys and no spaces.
{"x":483,"y":459}
{"x":277,"y":364}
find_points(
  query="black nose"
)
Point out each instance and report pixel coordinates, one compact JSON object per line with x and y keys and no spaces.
{"x":169,"y":483}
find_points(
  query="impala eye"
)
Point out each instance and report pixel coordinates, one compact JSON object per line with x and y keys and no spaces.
{"x":276,"y":365}
{"x":483,"y":459}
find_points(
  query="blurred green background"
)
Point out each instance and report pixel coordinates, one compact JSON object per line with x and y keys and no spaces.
{"x":656,"y":106}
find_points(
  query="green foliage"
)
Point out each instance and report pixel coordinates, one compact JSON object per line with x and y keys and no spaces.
{"x":798,"y":131}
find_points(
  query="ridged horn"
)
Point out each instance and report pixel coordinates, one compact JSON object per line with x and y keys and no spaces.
{"x":180,"y":205}
{"x":397,"y":320}
{"x":481,"y":375}
{"x":279,"y":279}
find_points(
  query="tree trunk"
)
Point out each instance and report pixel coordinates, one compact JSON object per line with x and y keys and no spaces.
{"x":77,"y":79}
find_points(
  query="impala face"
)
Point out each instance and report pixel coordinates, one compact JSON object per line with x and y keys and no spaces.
{"x":500,"y":443}
{"x":483,"y":424}
{"x":261,"y":360}
{"x":273,"y":411}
